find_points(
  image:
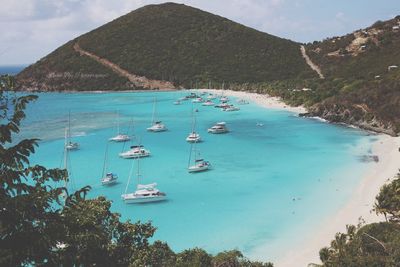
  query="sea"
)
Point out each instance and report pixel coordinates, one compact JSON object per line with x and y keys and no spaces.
{"x":274,"y":181}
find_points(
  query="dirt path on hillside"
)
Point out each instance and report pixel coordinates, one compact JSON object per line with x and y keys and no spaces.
{"x":139,"y":81}
{"x":310,"y":63}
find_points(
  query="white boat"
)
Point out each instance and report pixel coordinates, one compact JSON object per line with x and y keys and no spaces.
{"x":193,"y":137}
{"x":199,"y":165}
{"x":198,"y":100}
{"x":223,"y":105}
{"x":137,"y":151}
{"x":211,"y":97}
{"x":224,"y":99}
{"x":177,"y":102}
{"x":231,"y":108}
{"x":107,"y":178}
{"x":144,"y":193}
{"x":69,"y":145}
{"x":156,"y":126}
{"x":218,"y":128}
{"x":259,"y":124}
{"x":208,"y":103}
{"x":120,"y":137}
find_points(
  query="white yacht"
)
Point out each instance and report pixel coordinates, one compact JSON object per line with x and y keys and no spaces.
{"x":198,"y":100}
{"x":107,"y":178}
{"x":177,"y":102}
{"x":69,"y":145}
{"x":224,"y":99}
{"x":199,"y":165}
{"x":156,"y":126}
{"x":218,"y":128}
{"x":211,"y":97}
{"x":137,"y":151}
{"x":231,"y":108}
{"x":208,"y":103}
{"x":193,"y":137}
{"x":144,"y":193}
{"x":223,"y":105}
{"x":120,"y":137}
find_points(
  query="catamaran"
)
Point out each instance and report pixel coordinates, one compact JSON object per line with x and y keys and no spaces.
{"x":193,"y":137}
{"x":144,"y":193}
{"x":69,"y":145}
{"x":218,"y":128}
{"x":136,"y":151}
{"x":156,"y":126}
{"x":230,"y":108}
{"x":120,"y":137}
{"x":199,"y":164}
{"x":107,"y":178}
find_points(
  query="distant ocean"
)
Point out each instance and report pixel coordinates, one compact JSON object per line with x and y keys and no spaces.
{"x":270,"y":186}
{"x":11,"y":70}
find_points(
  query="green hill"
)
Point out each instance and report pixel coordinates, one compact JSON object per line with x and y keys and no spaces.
{"x":170,"y":42}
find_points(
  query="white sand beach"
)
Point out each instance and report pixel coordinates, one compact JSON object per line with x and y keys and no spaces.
{"x":363,"y":197}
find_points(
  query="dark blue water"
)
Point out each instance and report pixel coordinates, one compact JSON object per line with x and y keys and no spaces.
{"x":11,"y":70}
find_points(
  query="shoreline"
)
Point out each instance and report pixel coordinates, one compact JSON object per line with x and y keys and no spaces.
{"x":361,"y":202}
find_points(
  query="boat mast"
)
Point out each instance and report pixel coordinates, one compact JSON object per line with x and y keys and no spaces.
{"x":154,"y":111}
{"x":105,"y":162}
{"x":66,"y":155}
{"x":117,"y":122}
{"x":130,"y":176}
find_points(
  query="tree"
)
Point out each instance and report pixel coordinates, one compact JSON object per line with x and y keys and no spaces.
{"x":388,"y":200}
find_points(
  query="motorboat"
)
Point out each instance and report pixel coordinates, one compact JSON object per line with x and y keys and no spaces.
{"x":218,"y":128}
{"x":198,"y":100}
{"x":193,"y":137}
{"x":137,"y":151}
{"x":231,"y":108}
{"x":208,"y":103}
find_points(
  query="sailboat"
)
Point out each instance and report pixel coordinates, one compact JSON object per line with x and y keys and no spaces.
{"x":156,"y":126}
{"x":135,"y":151}
{"x":144,"y":193}
{"x":107,"y":178}
{"x":199,"y":163}
{"x":193,"y":137}
{"x":69,"y":145}
{"x":120,"y":137}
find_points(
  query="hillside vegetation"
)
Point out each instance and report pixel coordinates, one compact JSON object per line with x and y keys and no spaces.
{"x":171,"y":42}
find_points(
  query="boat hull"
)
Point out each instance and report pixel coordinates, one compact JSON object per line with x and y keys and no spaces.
{"x":137,"y":200}
{"x":198,"y":169}
{"x":133,"y":156}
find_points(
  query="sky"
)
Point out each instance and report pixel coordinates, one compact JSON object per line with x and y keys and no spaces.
{"x":30,"y":29}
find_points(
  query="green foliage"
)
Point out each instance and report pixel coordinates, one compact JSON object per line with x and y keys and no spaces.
{"x":388,"y":200}
{"x":372,"y":245}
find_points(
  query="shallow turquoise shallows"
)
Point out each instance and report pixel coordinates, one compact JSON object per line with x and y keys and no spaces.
{"x":270,"y":185}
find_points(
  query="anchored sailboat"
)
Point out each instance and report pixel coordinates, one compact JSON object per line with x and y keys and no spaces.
{"x":156,"y":126}
{"x":199,"y":164}
{"x":107,"y":178}
{"x":193,"y":137}
{"x":144,"y":193}
{"x":69,"y":145}
{"x":120,"y":137}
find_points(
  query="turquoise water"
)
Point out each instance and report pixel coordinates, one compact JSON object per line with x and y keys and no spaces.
{"x":270,"y":186}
